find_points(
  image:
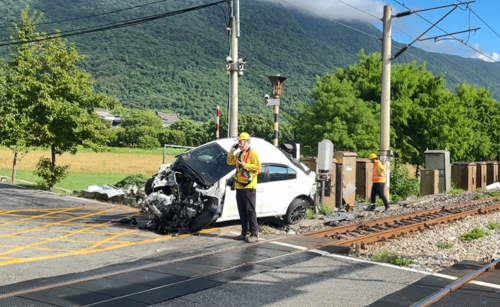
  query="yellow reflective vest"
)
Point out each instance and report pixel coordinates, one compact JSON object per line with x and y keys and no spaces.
{"x":252,"y":165}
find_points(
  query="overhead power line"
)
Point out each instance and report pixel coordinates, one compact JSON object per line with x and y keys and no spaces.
{"x":458,"y":40}
{"x":484,"y":22}
{"x":378,"y":38}
{"x":95,"y":15}
{"x":352,"y":28}
{"x":116,"y":25}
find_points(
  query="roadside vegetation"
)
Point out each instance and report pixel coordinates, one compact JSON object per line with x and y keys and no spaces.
{"x":444,"y":245}
{"x":474,"y":234}
{"x":392,"y":258}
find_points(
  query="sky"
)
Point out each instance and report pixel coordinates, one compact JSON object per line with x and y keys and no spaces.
{"x":484,"y":14}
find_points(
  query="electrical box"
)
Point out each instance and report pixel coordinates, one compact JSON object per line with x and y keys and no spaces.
{"x":464,"y":175}
{"x":491,"y":172}
{"x":481,"y":168}
{"x":325,"y":155}
{"x":364,"y":178}
{"x":440,"y":160}
{"x":345,"y":186}
{"x":429,"y":182}
{"x":329,"y":185}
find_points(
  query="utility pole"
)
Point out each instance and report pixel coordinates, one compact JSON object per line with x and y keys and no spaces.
{"x":235,"y":69}
{"x":385,"y":103}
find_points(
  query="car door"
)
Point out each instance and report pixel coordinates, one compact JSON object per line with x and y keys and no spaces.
{"x":230,"y":209}
{"x":261,"y":180}
{"x":277,"y":192}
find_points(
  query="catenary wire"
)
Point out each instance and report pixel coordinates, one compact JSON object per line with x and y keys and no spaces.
{"x":484,"y":22}
{"x":378,"y":39}
{"x":493,"y":60}
{"x":111,"y":26}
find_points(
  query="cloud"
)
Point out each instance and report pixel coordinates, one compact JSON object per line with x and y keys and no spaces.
{"x":485,"y":55}
{"x":338,"y":9}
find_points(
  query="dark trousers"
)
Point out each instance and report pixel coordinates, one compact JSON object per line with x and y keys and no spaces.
{"x":245,"y":198}
{"x":378,"y":189}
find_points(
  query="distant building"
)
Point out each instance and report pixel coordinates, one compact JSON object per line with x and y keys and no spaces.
{"x":113,"y":119}
{"x":168,"y":118}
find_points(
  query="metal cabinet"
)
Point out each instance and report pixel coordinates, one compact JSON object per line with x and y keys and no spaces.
{"x":463,"y":175}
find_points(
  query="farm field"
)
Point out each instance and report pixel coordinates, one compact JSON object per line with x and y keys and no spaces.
{"x":87,"y":167}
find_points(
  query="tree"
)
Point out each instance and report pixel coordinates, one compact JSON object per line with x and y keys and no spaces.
{"x":14,"y":126}
{"x":424,"y":113}
{"x":172,"y":137}
{"x":349,"y":122}
{"x":55,"y":95}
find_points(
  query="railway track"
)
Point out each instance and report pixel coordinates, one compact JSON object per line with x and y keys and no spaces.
{"x":429,"y":300}
{"x":360,"y":234}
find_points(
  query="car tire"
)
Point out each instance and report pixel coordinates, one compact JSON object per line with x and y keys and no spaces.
{"x":148,"y":187}
{"x":296,"y":211}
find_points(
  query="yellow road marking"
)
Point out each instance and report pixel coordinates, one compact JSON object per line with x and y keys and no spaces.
{"x":110,"y":239}
{"x":92,"y":251}
{"x":57,"y":223}
{"x":38,"y":248}
{"x":37,"y":216}
{"x":47,"y":213}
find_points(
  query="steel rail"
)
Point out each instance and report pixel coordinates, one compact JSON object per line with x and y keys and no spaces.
{"x":391,"y":233}
{"x":455,"y":285}
{"x":391,"y":227}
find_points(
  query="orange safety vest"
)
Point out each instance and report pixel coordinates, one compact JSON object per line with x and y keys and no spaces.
{"x":243,"y":176}
{"x":376,"y":176}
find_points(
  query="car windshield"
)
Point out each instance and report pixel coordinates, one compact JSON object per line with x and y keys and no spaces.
{"x":208,"y":161}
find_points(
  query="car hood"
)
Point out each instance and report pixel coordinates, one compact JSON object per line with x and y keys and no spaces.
{"x":206,"y":164}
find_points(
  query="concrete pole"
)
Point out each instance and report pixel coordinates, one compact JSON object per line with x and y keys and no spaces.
{"x":385,"y":103}
{"x":233,"y":104}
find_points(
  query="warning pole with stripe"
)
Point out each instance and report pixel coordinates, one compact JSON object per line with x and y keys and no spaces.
{"x":217,"y":123}
{"x":276,"y":115}
{"x":277,"y":82}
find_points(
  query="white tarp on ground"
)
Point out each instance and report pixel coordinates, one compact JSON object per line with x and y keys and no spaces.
{"x":108,"y":190}
{"x":493,"y":186}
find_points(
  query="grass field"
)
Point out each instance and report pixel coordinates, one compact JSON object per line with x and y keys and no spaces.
{"x":88,"y":168}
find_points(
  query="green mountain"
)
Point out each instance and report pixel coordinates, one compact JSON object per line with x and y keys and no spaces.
{"x":178,"y":63}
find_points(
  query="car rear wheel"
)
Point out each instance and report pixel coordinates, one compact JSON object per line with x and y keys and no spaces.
{"x":296,"y":211}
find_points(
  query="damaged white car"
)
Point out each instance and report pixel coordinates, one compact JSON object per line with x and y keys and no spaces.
{"x":196,"y":190}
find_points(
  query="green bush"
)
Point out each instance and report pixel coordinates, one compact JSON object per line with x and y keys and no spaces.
{"x":475,"y":233}
{"x":401,"y":186}
{"x":50,"y":172}
{"x":493,"y":226}
{"x":148,"y":142}
{"x":444,"y":245}
{"x":325,"y":210}
{"x":310,"y":214}
{"x":385,"y":256}
{"x":139,"y":180}
{"x":492,"y":194}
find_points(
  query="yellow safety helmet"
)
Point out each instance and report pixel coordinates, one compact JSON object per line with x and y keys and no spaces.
{"x":244,"y":136}
{"x":372,"y":156}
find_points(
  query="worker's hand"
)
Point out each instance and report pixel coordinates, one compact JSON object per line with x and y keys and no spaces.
{"x":233,"y":148}
{"x":241,"y":163}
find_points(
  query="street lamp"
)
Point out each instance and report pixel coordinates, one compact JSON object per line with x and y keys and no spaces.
{"x":277,"y":82}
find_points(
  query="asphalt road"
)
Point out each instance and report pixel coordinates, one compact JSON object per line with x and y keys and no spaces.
{"x":323,"y":281}
{"x":43,"y":234}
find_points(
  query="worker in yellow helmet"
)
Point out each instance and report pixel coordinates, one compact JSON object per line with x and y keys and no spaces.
{"x":378,"y":183}
{"x":247,"y":169}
